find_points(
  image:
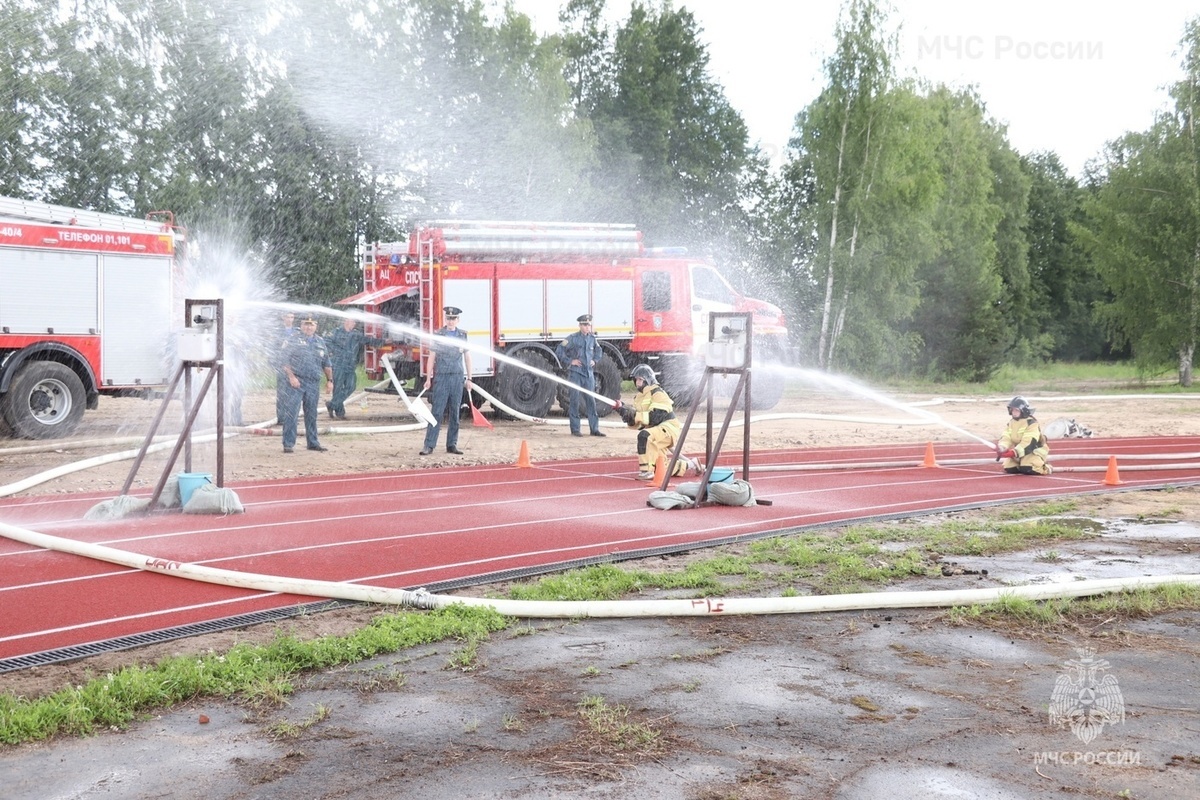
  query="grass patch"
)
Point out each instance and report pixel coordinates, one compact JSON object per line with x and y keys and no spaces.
{"x":847,"y":560}
{"x":257,"y":674}
{"x":292,"y":730}
{"x":1048,"y":615}
{"x":611,"y":724}
{"x":609,"y":582}
{"x":1055,"y":376}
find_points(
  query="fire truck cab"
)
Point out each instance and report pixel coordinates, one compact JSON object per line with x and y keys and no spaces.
{"x":521,"y":286}
{"x":85,"y":310}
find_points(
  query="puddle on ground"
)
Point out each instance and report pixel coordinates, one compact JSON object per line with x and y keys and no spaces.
{"x":1118,"y":550}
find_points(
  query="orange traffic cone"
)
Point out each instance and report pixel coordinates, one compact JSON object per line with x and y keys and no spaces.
{"x":1111,"y":478}
{"x":523,"y":456}
{"x":930,"y":460}
{"x":660,"y":472}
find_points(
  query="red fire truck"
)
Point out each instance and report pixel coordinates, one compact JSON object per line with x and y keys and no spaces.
{"x":85,"y":310}
{"x":521,"y":286}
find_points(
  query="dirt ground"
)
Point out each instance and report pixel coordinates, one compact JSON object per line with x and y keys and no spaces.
{"x":861,"y":704}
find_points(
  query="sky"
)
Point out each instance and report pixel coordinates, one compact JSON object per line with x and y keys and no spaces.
{"x":1062,"y":75}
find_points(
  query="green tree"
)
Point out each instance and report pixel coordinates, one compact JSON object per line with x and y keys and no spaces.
{"x":24,"y":66}
{"x":1145,"y":229}
{"x":673,"y":153}
{"x":79,"y":121}
{"x":834,"y":140}
{"x":961,"y":319}
{"x":864,"y":161}
{"x":1064,"y":285}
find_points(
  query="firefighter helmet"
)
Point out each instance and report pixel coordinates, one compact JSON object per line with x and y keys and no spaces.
{"x":644,"y":372}
{"x":1019,"y":403}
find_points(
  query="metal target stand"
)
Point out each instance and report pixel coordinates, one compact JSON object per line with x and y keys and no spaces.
{"x":201,"y":346}
{"x":729,"y":353}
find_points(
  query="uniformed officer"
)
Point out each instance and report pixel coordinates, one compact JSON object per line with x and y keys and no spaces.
{"x":580,"y":351}
{"x":305,"y":358}
{"x":446,"y":371}
{"x":345,"y":348}
{"x":285,"y":331}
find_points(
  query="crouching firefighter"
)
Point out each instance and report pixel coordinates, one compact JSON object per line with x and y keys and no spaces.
{"x":1023,"y":447}
{"x":653,"y":414}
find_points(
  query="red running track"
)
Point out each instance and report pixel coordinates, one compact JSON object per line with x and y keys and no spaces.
{"x":444,"y":527}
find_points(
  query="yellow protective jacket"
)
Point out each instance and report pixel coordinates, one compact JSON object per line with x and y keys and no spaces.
{"x":1025,"y":438}
{"x":652,"y":407}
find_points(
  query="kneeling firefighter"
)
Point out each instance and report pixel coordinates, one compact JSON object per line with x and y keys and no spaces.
{"x":1023,"y":446}
{"x":653,"y":414}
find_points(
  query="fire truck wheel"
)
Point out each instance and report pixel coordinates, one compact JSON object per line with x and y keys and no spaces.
{"x":608,"y":383}
{"x":766,"y":389}
{"x":526,"y":391}
{"x":680,"y":376}
{"x":44,"y":401}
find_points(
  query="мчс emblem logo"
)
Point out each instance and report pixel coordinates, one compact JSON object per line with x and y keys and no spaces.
{"x":1085,"y":700}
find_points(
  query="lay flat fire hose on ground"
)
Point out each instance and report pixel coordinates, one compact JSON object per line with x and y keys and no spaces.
{"x":546,"y":609}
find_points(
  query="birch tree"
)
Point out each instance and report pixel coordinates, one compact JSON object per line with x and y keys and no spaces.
{"x":834,"y":137}
{"x":1145,"y":229}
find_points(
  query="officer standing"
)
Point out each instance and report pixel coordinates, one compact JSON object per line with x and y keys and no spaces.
{"x":345,"y":346}
{"x":446,"y":371}
{"x":305,"y":357}
{"x":285,"y":331}
{"x":580,"y":351}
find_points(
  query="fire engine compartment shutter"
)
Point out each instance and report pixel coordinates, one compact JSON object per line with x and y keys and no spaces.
{"x":377,"y":296}
{"x":474,"y":297}
{"x":612,"y":307}
{"x":137,"y":320}
{"x":48,"y":289}
{"x":565,"y":301}
{"x":522,"y":307}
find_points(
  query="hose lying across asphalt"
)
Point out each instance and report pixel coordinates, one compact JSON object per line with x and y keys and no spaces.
{"x":547,"y":609}
{"x":598,"y":608}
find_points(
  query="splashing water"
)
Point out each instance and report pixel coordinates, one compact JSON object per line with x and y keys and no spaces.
{"x":840,"y":383}
{"x":398,"y":330}
{"x":245,"y":286}
{"x":401,"y":330}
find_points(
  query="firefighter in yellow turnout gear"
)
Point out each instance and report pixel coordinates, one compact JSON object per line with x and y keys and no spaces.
{"x":1023,"y":446}
{"x":653,"y":414}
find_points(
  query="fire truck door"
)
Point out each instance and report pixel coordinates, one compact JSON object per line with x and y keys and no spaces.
{"x":662,"y":312}
{"x":710,"y":293}
{"x":474,"y":297}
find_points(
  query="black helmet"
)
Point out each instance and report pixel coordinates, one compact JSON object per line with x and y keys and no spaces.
{"x":1018,"y":402}
{"x":644,"y":372}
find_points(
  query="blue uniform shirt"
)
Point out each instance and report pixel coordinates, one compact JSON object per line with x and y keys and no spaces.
{"x":346,"y":345}
{"x":308,"y":356}
{"x":447,"y":357}
{"x":582,"y":346}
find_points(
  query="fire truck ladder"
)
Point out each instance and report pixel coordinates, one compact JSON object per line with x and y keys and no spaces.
{"x":428,"y":315}
{"x":514,"y":240}
{"x":33,"y":211}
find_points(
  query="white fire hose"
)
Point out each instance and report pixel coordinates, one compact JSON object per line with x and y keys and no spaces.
{"x":549,"y":609}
